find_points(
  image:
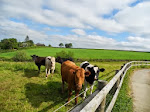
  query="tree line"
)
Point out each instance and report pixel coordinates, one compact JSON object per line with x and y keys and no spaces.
{"x":67,"y":45}
{"x":12,"y":43}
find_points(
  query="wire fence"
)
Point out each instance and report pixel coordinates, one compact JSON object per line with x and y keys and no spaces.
{"x":95,"y":83}
{"x":110,"y":95}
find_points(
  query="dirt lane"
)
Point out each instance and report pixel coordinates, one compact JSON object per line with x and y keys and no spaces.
{"x":140,"y":82}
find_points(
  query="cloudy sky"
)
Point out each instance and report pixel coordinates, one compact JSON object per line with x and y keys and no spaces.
{"x":100,"y":24}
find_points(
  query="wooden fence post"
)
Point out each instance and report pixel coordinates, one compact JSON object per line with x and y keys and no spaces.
{"x":118,"y":81}
{"x":114,"y":88}
{"x":101,"y":84}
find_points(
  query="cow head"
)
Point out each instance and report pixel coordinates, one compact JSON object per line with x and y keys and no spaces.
{"x":79,"y":78}
{"x":97,"y":70}
{"x":94,"y":73}
{"x":34,"y":57}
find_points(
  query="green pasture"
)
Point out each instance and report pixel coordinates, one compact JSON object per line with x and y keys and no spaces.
{"x":88,"y":54}
{"x":23,"y":89}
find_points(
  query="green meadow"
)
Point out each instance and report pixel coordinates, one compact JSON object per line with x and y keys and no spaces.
{"x":85,"y":53}
{"x":23,"y":89}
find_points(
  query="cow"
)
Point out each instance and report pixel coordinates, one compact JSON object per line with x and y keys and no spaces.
{"x":38,"y":61}
{"x":49,"y":65}
{"x":94,"y":70}
{"x":74,"y":76}
{"x":61,"y":60}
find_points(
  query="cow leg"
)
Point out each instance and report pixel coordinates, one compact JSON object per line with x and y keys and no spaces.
{"x":51,"y":72}
{"x":53,"y":69}
{"x":91,"y":89}
{"x":62,"y":86}
{"x":85,"y":89}
{"x":69,"y":94}
{"x":76,"y":99}
{"x":46,"y":72}
{"x":39,"y":66}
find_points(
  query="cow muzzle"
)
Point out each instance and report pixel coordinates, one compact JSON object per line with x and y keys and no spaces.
{"x":96,"y":79}
{"x":78,"y":87}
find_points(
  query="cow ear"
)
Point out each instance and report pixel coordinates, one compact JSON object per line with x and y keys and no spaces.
{"x":101,"y":69}
{"x":87,"y":74}
{"x":31,"y":55}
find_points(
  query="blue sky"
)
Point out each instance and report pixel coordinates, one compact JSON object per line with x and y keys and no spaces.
{"x":98,"y":24}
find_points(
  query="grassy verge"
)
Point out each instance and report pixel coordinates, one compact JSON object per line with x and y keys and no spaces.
{"x":23,"y":89}
{"x":124,"y":102}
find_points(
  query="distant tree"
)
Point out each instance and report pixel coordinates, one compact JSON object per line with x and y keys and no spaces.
{"x":20,"y":44}
{"x":69,"y":45}
{"x":0,"y":45}
{"x":30,"y":43}
{"x":9,"y":43}
{"x":49,"y":45}
{"x":27,"y":38}
{"x":61,"y":45}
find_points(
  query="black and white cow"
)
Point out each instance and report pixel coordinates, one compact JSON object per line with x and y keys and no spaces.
{"x":94,"y":70}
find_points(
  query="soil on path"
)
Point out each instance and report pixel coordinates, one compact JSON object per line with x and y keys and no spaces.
{"x":140,"y":82}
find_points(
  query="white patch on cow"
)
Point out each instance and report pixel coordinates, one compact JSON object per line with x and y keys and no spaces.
{"x":90,"y":66}
{"x":86,"y":68}
{"x":83,"y":63}
{"x":96,"y":74}
{"x":95,"y":69}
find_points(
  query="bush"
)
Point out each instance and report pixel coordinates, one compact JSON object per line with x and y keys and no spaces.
{"x":64,"y":54}
{"x":20,"y":56}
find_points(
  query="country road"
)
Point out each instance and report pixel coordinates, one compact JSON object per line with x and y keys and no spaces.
{"x":140,"y":82}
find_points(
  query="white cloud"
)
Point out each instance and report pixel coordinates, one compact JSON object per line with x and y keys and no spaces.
{"x":136,"y":19}
{"x":10,"y":29}
{"x":74,"y":14}
{"x":20,"y":30}
{"x":79,"y":31}
{"x":78,"y":15}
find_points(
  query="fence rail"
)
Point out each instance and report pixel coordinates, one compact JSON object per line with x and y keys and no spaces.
{"x":99,"y":97}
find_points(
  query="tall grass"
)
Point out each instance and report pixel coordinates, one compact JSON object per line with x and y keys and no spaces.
{"x":23,"y":89}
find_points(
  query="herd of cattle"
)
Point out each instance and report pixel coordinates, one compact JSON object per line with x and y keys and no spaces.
{"x":72,"y":74}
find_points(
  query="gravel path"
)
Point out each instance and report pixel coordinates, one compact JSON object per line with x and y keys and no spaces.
{"x":140,"y":82}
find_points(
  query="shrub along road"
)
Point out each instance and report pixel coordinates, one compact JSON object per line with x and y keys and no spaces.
{"x":141,"y":90}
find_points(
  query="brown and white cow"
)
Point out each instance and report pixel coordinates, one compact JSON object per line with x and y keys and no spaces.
{"x":74,"y":76}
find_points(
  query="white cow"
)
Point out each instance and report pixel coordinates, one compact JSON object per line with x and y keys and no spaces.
{"x":49,"y":65}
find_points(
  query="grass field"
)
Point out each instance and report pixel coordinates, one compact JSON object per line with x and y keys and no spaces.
{"x":23,"y":89}
{"x":85,"y":53}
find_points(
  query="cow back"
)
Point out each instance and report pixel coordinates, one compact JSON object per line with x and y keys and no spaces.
{"x":40,"y":60}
